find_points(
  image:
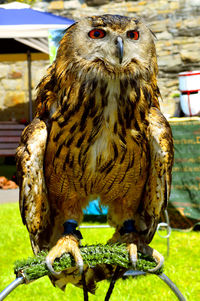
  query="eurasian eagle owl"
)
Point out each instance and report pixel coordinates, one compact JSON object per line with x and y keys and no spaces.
{"x":98,"y":131}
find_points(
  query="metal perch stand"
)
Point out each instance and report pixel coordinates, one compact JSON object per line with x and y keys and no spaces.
{"x":171,"y":285}
{"x":11,"y":287}
{"x":115,"y":255}
{"x":163,"y":277}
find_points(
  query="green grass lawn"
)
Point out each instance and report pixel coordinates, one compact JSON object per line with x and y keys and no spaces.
{"x":182,"y":266}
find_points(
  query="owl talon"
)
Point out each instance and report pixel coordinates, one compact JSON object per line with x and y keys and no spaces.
{"x":50,"y":268}
{"x":132,"y":248}
{"x":133,"y":260}
{"x":66,"y":244}
{"x":80,"y":266}
{"x":159,"y":259}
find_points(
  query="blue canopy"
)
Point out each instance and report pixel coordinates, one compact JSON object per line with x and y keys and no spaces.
{"x":30,"y":16}
{"x":30,"y":27}
{"x":27,"y":23}
{"x":24,"y":29}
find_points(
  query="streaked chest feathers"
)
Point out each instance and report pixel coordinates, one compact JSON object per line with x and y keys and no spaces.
{"x":99,"y":141}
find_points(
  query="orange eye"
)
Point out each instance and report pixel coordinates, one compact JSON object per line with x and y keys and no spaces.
{"x":97,"y":34}
{"x":133,"y":35}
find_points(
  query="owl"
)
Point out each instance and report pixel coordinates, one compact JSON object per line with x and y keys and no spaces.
{"x":98,"y":132}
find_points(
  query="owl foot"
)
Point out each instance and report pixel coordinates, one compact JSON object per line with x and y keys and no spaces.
{"x":159,"y":259}
{"x":134,"y":243}
{"x":66,"y":244}
{"x":145,"y":249}
{"x":69,"y":243}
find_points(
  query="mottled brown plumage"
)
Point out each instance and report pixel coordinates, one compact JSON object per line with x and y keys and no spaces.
{"x":98,"y":131}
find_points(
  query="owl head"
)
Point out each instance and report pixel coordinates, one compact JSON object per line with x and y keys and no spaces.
{"x":110,"y":43}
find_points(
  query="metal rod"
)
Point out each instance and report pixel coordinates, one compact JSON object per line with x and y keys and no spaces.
{"x":162,"y":276}
{"x":94,"y":226}
{"x":173,"y":287}
{"x":134,"y":273}
{"x":11,"y":287}
{"x":168,"y":230}
{"x":29,"y":86}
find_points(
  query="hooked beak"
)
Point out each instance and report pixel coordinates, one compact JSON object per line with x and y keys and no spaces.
{"x":120,"y":49}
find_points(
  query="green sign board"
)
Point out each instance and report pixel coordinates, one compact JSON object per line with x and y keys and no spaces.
{"x":184,"y":205}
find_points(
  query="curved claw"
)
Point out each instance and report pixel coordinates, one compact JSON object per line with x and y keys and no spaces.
{"x":159,"y":260}
{"x":50,"y":268}
{"x":132,"y":248}
{"x":80,"y":265}
{"x":66,"y":244}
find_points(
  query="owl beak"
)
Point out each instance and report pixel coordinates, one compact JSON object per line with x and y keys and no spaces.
{"x":120,"y":49}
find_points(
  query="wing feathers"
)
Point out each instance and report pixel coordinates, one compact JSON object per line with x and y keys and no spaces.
{"x":158,"y":186}
{"x":161,"y":149}
{"x":33,"y":194}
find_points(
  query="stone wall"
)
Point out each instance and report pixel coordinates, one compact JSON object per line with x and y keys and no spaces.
{"x":14,"y":95}
{"x":176,"y":24}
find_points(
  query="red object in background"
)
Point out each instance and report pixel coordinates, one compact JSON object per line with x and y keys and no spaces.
{"x":23,"y":121}
{"x":189,"y":86}
{"x":7,"y":184}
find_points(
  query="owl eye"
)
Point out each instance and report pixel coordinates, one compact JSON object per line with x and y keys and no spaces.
{"x":97,"y":34}
{"x":133,"y":35}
